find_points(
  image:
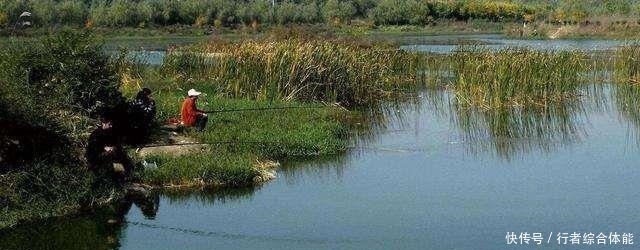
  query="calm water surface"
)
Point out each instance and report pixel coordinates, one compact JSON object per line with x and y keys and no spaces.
{"x":447,"y":44}
{"x":427,"y":176}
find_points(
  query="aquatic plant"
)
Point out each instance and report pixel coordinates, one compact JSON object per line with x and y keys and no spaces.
{"x":515,"y":77}
{"x":316,"y":70}
{"x":626,"y":66}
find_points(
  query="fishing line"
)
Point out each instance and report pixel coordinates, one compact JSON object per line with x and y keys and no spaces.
{"x":263,"y":109}
{"x":232,"y":236}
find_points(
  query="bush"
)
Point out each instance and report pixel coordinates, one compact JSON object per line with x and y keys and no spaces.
{"x":55,"y":84}
{"x":44,"y":12}
{"x":4,"y":19}
{"x":338,"y":11}
{"x":71,"y":12}
{"x":390,"y":12}
{"x":50,"y":88}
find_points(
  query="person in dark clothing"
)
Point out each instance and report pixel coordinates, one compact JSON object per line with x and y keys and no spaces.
{"x":118,"y":116}
{"x":105,"y":154}
{"x":142,"y":112}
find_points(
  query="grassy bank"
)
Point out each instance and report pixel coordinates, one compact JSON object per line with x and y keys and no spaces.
{"x":240,"y":145}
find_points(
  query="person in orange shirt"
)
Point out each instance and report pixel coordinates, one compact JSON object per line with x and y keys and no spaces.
{"x":190,"y":114}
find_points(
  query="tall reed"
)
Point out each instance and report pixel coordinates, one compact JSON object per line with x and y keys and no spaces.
{"x":293,"y":69}
{"x":515,"y":77}
{"x":626,"y":67}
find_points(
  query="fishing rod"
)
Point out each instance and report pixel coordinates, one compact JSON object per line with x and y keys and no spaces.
{"x":263,"y":109}
{"x":204,"y":143}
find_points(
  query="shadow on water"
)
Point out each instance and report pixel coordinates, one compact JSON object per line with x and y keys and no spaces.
{"x":100,"y":230}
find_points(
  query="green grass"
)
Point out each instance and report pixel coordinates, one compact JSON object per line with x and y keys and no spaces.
{"x":212,"y":167}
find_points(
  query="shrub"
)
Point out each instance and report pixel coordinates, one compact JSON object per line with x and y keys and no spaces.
{"x":4,"y":19}
{"x":338,"y":11}
{"x":71,"y":12}
{"x":50,"y":87}
{"x":54,"y":85}
{"x":390,"y":12}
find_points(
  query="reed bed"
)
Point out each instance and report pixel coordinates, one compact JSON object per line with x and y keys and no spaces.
{"x":313,"y":70}
{"x":626,"y":66}
{"x":515,"y":77}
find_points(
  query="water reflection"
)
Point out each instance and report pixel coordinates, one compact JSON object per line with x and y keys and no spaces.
{"x":505,"y":133}
{"x":447,"y":44}
{"x":101,"y":230}
{"x":106,"y":228}
{"x":333,"y":167}
{"x":627,"y":102}
{"x":512,"y":131}
{"x":209,"y":195}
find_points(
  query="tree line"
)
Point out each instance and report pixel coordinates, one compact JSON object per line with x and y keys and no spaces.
{"x":233,"y":13}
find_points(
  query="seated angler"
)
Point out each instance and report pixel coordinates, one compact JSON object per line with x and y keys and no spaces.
{"x":190,"y":114}
{"x":142,"y":112}
{"x":106,"y":156}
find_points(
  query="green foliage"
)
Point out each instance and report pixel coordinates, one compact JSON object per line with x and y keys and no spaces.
{"x":120,"y":13}
{"x":67,"y":71}
{"x":50,"y":87}
{"x":338,"y":11}
{"x":222,"y":168}
{"x":231,"y":13}
{"x":4,"y":20}
{"x":391,"y":12}
{"x":71,"y":12}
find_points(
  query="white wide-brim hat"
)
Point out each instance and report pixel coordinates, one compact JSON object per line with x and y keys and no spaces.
{"x":193,"y":92}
